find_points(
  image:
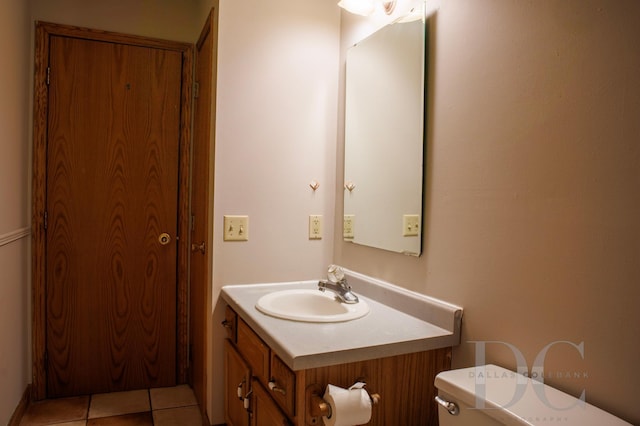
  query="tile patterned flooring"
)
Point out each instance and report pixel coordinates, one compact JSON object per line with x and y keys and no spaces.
{"x":176,"y":406}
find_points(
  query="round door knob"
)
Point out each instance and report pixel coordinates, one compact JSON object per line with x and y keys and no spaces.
{"x":164,"y":239}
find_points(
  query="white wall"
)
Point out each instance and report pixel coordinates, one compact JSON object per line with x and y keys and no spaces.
{"x":533,"y":176}
{"x":276,"y":132}
{"x":14,"y":216}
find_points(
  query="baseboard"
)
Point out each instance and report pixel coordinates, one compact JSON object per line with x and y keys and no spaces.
{"x":21,"y":408}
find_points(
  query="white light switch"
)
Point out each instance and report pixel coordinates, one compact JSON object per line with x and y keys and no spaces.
{"x":236,"y":228}
{"x":315,"y":227}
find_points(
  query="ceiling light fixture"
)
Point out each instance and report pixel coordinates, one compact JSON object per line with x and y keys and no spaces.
{"x":367,"y":7}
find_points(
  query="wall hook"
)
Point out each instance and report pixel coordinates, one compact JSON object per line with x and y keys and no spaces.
{"x":314,"y":184}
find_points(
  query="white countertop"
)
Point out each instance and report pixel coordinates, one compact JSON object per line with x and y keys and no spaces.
{"x":384,"y":331}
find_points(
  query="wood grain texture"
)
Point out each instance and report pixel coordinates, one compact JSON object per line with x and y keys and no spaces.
{"x":184,"y":215}
{"x":405,"y":384}
{"x":264,"y":411}
{"x":201,"y":187}
{"x":237,"y":380}
{"x":44,"y":32}
{"x":254,"y":351}
{"x":38,"y":255}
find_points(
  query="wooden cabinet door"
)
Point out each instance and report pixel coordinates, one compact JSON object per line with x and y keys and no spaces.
{"x":264,"y":411}
{"x":284,"y":385}
{"x":254,"y":350}
{"x":237,"y":383}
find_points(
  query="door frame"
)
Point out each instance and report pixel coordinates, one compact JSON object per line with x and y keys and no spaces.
{"x":202,"y":180}
{"x":43,"y":32}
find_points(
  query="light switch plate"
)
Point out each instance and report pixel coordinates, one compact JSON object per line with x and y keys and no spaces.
{"x":315,"y":227}
{"x":236,"y":228}
{"x":410,"y":225}
{"x":348,"y":226}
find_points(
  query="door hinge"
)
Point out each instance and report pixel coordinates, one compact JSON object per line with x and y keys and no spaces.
{"x":196,"y":89}
{"x":48,"y":75}
{"x":46,"y":220}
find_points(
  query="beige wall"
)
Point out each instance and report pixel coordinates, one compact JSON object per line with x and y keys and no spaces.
{"x":532,"y":176}
{"x":176,"y":20}
{"x":14,"y":216}
{"x":276,"y":126}
{"x":532,"y":188}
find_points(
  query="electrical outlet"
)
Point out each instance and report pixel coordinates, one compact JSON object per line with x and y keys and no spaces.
{"x":315,"y":227}
{"x":236,"y":228}
{"x":348,"y":226}
{"x":410,"y":225}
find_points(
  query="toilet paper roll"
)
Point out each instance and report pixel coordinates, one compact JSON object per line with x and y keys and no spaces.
{"x":349,"y":407}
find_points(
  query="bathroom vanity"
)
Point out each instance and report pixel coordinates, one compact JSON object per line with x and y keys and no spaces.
{"x":276,"y":370}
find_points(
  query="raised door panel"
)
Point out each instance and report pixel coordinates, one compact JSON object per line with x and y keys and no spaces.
{"x":230,"y":323}
{"x":264,"y":411}
{"x":282,"y":385}
{"x":237,"y":382}
{"x":254,"y":350}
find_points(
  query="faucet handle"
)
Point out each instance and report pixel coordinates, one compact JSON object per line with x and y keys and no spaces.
{"x":335,"y":273}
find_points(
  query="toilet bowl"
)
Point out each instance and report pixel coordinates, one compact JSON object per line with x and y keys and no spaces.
{"x":490,"y":395}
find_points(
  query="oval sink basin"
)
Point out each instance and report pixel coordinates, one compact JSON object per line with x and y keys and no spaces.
{"x":310,"y":305}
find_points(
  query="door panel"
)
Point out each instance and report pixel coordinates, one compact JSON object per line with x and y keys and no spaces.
{"x":112,"y":190}
{"x":201,"y":231}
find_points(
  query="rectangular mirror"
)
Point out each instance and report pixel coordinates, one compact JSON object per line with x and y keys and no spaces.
{"x":384,"y":138}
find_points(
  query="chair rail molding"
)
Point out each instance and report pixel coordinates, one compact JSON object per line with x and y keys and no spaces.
{"x":14,"y":235}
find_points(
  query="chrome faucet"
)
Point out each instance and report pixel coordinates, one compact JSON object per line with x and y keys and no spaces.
{"x":337,"y":283}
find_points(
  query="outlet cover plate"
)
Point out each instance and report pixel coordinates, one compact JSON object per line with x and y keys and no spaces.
{"x":410,"y":225}
{"x":348,"y":226}
{"x":315,"y":227}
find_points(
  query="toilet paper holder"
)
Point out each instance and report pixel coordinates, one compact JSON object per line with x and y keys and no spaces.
{"x":318,"y":407}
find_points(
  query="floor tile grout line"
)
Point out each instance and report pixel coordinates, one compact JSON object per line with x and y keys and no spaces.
{"x":180,"y":402}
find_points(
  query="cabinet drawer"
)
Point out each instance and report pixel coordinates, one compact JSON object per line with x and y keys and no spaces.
{"x":230,"y":323}
{"x":254,"y":351}
{"x":282,"y":385}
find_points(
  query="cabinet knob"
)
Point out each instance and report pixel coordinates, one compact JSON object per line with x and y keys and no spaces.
{"x":247,"y":401}
{"x":239,"y":390}
{"x":273,"y":386}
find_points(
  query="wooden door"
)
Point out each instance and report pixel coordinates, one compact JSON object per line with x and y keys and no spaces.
{"x":201,"y":199}
{"x":112,"y":181}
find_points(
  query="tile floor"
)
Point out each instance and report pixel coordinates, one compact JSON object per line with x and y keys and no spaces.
{"x":176,"y":406}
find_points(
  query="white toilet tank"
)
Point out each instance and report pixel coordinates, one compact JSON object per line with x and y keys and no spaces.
{"x":491,"y":395}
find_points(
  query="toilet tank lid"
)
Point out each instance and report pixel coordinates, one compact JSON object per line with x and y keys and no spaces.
{"x":515,"y":399}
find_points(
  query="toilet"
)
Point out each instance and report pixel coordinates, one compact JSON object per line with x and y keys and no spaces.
{"x":490,"y":395}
